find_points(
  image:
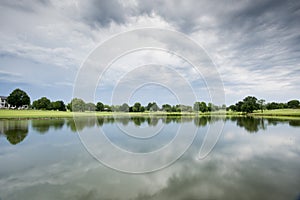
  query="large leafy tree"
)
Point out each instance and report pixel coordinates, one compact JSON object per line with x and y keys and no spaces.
{"x":99,"y":106}
{"x":200,"y":106}
{"x":177,"y":108}
{"x":293,"y":104}
{"x":77,"y":105}
{"x":18,"y":98}
{"x":238,"y":106}
{"x":152,"y":107}
{"x":249,"y":104}
{"x":137,"y":107}
{"x":166,"y":108}
{"x":261,"y":104}
{"x":90,"y":106}
{"x":196,"y":106}
{"x":58,"y":105}
{"x":42,"y":104}
{"x":124,"y":107}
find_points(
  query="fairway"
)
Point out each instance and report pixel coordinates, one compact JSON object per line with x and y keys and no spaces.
{"x":279,"y":112}
{"x":45,"y":114}
{"x":25,"y":114}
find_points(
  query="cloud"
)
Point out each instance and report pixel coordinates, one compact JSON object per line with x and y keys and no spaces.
{"x":253,"y":43}
{"x":191,"y":15}
{"x":7,"y":76}
{"x":230,"y":168}
{"x":61,"y":56}
{"x":103,"y":13}
{"x":25,"y":6}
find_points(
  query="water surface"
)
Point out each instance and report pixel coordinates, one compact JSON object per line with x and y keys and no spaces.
{"x":255,"y":158}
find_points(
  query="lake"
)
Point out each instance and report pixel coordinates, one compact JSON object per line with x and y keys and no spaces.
{"x":250,"y":158}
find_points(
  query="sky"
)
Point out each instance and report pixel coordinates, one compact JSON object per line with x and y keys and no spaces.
{"x":254,"y":45}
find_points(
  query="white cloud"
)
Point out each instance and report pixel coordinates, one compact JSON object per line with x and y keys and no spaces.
{"x":253,"y":44}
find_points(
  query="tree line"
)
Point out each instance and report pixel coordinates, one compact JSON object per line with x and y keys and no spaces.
{"x":19,"y":98}
{"x":79,"y":105}
{"x":251,"y":103}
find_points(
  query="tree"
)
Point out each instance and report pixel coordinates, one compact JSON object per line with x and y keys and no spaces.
{"x":167,"y":107}
{"x":238,"y":106}
{"x":99,"y":106}
{"x":90,"y":107}
{"x":124,"y":107}
{"x":232,"y":108}
{"x":177,"y":108}
{"x":182,"y":108}
{"x":272,"y":106}
{"x":261,"y":104}
{"x":58,"y":105}
{"x":196,"y":106}
{"x":152,"y":107}
{"x":200,"y":106}
{"x":209,"y":107}
{"x":223,"y":107}
{"x":18,"y":98}
{"x":107,"y":108}
{"x":212,"y":107}
{"x":142,"y":109}
{"x":42,"y":104}
{"x":293,"y":104}
{"x":76,"y":105}
{"x":249,"y":104}
{"x":203,"y":107}
{"x":137,"y":107}
{"x":115,"y":108}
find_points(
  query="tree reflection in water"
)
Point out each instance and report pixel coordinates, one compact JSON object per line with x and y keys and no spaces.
{"x":251,"y":124}
{"x":42,"y":126}
{"x":294,"y":123}
{"x":15,"y":131}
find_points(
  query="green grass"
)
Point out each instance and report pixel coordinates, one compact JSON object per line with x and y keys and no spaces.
{"x":29,"y":114}
{"x":10,"y":114}
{"x":25,"y":114}
{"x":279,"y":112}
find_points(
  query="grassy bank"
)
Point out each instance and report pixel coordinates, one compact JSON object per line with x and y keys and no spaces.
{"x":278,"y":113}
{"x":30,"y":114}
{"x":12,"y":114}
{"x":33,"y":114}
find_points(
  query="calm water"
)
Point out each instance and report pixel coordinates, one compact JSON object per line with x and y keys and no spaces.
{"x":253,"y":159}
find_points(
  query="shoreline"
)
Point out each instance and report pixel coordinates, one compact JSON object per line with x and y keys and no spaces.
{"x":41,"y":114}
